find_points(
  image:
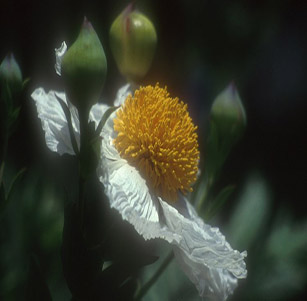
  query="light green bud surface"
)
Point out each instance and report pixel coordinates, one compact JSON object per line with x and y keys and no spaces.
{"x":84,"y":68}
{"x":133,"y":42}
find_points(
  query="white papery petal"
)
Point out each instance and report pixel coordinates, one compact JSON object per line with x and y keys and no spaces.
{"x":202,"y":251}
{"x":122,"y":94}
{"x":204,"y":254}
{"x":54,"y":122}
{"x":127,"y":191}
{"x":211,"y":283}
{"x":59,"y":53}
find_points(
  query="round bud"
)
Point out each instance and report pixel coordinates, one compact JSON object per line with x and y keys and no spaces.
{"x":84,"y":68}
{"x":133,"y":41}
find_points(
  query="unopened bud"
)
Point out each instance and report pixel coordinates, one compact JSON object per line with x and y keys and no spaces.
{"x":133,"y":42}
{"x":228,"y":114}
{"x":227,"y":123}
{"x":84,"y":68}
{"x":10,"y":78}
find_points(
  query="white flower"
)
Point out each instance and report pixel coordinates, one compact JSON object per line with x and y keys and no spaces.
{"x":202,"y":251}
{"x":151,"y":196}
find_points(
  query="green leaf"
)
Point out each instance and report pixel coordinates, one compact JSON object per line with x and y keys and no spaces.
{"x":25,"y":82}
{"x":2,"y":197}
{"x":103,"y":120}
{"x":219,"y":202}
{"x":12,"y":120}
{"x":1,"y":171}
{"x":16,"y":178}
{"x":70,"y":128}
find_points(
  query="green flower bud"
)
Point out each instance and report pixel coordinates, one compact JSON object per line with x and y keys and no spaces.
{"x":227,"y":123}
{"x":84,"y":68}
{"x":133,"y":42}
{"x":228,"y":114}
{"x":10,"y":78}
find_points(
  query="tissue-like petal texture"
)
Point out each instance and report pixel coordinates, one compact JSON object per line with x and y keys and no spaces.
{"x":212,"y":283}
{"x":54,"y":121}
{"x":128,"y":192}
{"x":204,"y":254}
{"x":202,"y":251}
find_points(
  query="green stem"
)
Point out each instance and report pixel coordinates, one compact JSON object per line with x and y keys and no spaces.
{"x":4,"y":149}
{"x":142,"y":292}
{"x":204,"y":192}
{"x":83,"y":119}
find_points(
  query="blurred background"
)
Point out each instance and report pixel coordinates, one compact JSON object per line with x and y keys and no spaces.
{"x":202,"y":46}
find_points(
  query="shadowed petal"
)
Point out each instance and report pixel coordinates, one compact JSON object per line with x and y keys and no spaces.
{"x":211,"y":283}
{"x":204,"y":254}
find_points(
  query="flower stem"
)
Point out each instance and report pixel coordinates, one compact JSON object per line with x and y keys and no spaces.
{"x":83,"y":119}
{"x":142,"y":292}
{"x":4,"y":149}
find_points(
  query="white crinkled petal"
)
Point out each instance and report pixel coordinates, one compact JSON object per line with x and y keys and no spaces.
{"x":122,"y":94}
{"x":204,"y":254}
{"x":59,"y":53}
{"x":54,"y":122}
{"x":202,"y":251}
{"x":211,"y":283}
{"x":127,"y":191}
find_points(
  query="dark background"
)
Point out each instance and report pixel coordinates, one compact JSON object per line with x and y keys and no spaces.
{"x":202,"y":46}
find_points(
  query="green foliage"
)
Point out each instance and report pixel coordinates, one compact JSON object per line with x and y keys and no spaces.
{"x":276,"y":254}
{"x":31,"y":224}
{"x":252,"y":211}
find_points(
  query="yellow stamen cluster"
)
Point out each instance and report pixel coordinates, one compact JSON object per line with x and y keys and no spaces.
{"x":156,"y":135}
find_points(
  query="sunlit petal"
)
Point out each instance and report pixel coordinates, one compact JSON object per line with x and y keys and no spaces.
{"x":54,"y":122}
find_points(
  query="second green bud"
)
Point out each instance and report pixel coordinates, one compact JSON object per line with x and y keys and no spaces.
{"x":133,"y":42}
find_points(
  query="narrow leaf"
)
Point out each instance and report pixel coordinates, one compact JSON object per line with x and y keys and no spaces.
{"x":103,"y":120}
{"x":70,"y":127}
{"x":25,"y":82}
{"x":14,"y":181}
{"x":2,"y":197}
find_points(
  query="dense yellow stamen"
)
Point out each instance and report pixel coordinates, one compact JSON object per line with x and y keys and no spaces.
{"x":157,"y":136}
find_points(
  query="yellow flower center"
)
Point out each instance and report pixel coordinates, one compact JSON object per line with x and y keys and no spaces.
{"x":156,"y":135}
